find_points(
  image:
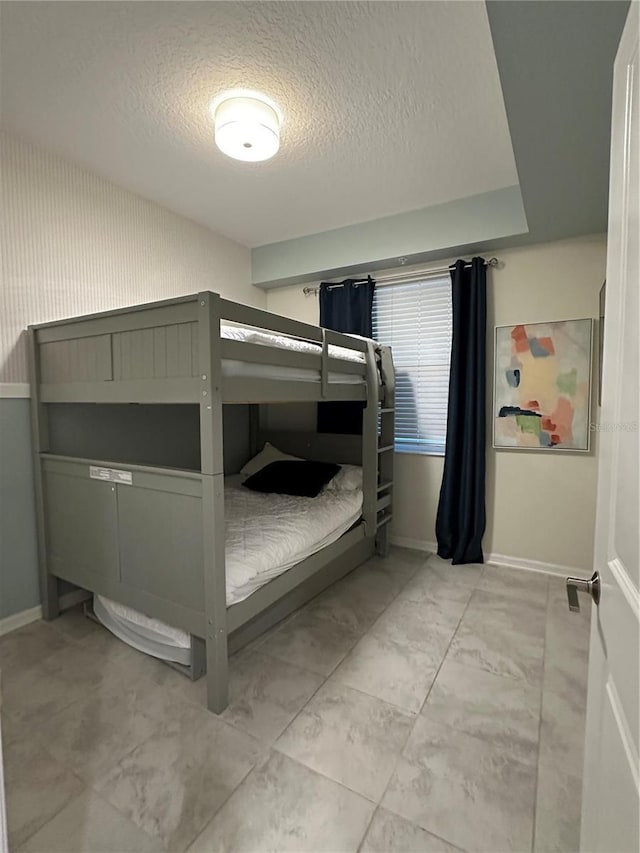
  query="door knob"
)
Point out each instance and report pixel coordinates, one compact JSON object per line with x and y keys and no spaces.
{"x":576,"y":585}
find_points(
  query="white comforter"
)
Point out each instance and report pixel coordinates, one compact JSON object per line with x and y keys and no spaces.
{"x":252,"y":336}
{"x":268,"y":534}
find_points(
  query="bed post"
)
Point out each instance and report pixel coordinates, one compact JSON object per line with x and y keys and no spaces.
{"x":212,"y":465}
{"x":40,"y":443}
{"x":370,"y":445}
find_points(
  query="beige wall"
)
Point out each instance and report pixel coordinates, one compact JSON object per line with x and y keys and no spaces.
{"x":74,"y":243}
{"x":540,"y":506}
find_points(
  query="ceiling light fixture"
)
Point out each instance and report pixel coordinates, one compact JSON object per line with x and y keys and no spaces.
{"x":247,"y":126}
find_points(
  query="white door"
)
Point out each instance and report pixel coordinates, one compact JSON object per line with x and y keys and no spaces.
{"x":4,"y":832}
{"x":611,"y":794}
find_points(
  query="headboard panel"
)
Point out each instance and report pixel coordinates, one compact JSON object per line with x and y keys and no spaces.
{"x":319,"y":447}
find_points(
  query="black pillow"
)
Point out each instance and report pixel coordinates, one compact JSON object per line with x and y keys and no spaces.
{"x":304,"y":479}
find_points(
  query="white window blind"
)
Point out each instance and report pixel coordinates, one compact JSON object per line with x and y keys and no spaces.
{"x":415,"y":319}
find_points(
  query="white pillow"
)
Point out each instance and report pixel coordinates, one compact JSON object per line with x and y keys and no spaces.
{"x":267,"y":455}
{"x":348,"y":479}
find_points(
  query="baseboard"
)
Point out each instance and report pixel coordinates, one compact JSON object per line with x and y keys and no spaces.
{"x":533,"y":565}
{"x":25,"y":617}
{"x":495,"y":559}
{"x":17,"y":620}
{"x":413,"y":544}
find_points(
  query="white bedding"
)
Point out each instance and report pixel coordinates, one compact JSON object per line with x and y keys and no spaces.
{"x":253,"y":336}
{"x":268,"y":534}
{"x":142,"y":632}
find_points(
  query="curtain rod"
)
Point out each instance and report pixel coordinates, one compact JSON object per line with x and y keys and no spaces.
{"x":397,"y":278}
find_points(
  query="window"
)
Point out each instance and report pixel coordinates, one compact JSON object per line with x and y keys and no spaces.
{"x":415,"y":319}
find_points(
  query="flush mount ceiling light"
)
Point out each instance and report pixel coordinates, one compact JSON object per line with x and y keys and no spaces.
{"x":247,"y":126}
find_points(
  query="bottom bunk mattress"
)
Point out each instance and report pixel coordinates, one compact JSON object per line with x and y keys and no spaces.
{"x":266,"y":534}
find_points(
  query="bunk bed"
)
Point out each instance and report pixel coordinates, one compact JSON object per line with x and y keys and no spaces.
{"x":148,"y":532}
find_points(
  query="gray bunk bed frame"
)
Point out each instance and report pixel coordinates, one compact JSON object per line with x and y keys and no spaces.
{"x":153,"y":537}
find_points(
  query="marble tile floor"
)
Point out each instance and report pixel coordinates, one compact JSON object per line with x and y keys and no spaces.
{"x":414,"y":706}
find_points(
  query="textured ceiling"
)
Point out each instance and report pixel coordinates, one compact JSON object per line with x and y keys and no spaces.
{"x":388,"y":107}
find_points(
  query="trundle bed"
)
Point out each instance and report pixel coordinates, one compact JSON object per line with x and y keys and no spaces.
{"x":139,"y":413}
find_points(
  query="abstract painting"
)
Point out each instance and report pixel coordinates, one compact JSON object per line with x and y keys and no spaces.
{"x":542,"y":385}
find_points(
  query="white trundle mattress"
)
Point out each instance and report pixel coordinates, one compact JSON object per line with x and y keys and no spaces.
{"x":266,"y":534}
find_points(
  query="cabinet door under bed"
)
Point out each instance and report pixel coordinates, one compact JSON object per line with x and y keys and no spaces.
{"x":160,"y":536}
{"x":131,"y":533}
{"x":81,"y":524}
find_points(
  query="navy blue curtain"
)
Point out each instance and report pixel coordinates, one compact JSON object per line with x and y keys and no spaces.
{"x":345,"y":309}
{"x":461,"y":517}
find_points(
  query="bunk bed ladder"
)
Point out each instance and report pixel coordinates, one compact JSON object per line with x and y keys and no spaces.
{"x":384,"y":502}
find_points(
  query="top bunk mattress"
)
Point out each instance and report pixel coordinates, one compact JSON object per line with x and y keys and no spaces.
{"x":272,"y":371}
{"x":271,"y":339}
